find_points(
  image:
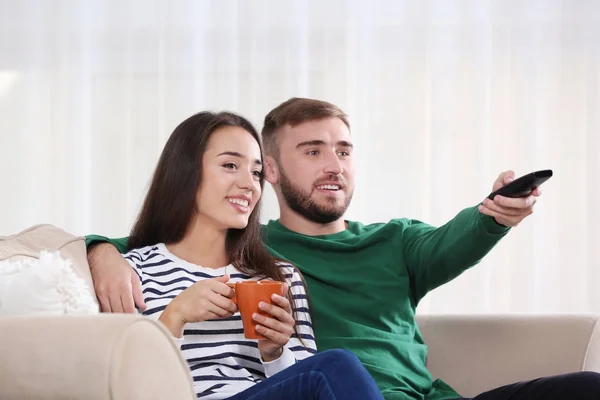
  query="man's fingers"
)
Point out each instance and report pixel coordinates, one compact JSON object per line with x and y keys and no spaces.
{"x":111,"y":275}
{"x":136,"y":290}
{"x":509,"y":211}
{"x":115,"y":303}
{"x":509,"y":176}
{"x":503,"y":210}
{"x":127,"y":304}
{"x":520,"y":202}
{"x":506,"y":177}
{"x":500,"y":218}
{"x":503,"y":179}
{"x":104,"y":303}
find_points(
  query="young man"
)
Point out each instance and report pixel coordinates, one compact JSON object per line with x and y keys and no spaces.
{"x":364,"y":281}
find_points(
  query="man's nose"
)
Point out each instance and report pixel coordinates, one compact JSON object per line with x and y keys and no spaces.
{"x":334,"y":165}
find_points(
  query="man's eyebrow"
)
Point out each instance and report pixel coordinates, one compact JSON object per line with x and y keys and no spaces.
{"x":308,"y":143}
{"x":238,"y":155}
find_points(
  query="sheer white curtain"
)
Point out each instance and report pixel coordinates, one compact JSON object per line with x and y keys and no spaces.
{"x":443,"y":95}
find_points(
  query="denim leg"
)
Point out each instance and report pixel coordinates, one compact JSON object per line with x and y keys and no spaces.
{"x":577,"y":385}
{"x":330,"y":375}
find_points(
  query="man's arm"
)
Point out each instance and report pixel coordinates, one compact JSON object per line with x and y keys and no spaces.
{"x":116,"y":284}
{"x":435,"y":256}
{"x":119,"y":243}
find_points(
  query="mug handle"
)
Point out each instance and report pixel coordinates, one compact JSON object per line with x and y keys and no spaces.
{"x":232,"y":285}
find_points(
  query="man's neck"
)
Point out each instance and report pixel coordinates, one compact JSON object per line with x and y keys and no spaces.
{"x":202,"y":245}
{"x":299,"y":224}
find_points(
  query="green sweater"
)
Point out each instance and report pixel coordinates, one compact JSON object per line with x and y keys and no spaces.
{"x":364,"y":284}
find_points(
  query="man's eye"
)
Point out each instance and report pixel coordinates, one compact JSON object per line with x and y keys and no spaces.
{"x":313,"y":153}
{"x":344,"y":153}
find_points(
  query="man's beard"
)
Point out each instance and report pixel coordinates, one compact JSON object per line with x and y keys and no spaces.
{"x":301,"y":203}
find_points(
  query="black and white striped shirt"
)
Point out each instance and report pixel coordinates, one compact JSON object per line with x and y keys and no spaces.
{"x":221,"y":360}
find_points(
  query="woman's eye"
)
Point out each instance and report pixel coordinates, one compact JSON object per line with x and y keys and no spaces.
{"x":230,"y":166}
{"x":258,"y":174}
{"x":344,"y":153}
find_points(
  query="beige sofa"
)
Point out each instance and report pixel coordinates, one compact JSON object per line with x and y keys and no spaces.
{"x":128,"y":357}
{"x":477,"y":353}
{"x":122,"y":357}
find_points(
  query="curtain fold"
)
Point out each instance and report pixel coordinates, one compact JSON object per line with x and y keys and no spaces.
{"x":442,"y":96}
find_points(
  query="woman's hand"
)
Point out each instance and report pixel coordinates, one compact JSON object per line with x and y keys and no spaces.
{"x":277,"y":329}
{"x":204,"y":300}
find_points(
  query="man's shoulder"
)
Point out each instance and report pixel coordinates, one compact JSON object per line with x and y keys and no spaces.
{"x":273,"y":228}
{"x":272,"y":224}
{"x":267,"y":226}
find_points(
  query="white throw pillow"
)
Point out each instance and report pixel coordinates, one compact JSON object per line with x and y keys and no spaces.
{"x":44,"y":286}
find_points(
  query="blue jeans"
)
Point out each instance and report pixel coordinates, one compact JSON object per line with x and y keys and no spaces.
{"x":330,"y":375}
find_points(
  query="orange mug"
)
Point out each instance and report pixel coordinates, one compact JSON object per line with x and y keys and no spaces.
{"x":247,"y":295}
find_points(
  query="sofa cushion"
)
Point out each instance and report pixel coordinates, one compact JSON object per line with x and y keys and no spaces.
{"x":60,"y":254}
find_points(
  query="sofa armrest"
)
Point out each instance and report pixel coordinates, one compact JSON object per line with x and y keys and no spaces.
{"x":101,"y":357}
{"x":474,"y":354}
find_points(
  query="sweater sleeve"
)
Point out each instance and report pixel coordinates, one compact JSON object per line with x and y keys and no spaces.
{"x":119,"y":243}
{"x":302,"y":343}
{"x":435,"y":256}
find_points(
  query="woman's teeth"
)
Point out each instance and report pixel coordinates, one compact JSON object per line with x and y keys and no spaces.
{"x":243,"y":203}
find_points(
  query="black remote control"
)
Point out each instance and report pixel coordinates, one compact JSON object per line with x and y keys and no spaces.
{"x":523,"y":186}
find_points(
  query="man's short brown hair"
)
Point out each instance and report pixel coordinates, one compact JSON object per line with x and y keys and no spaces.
{"x":294,"y":112}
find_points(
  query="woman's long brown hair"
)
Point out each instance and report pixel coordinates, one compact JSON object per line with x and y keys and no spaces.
{"x":170,"y":203}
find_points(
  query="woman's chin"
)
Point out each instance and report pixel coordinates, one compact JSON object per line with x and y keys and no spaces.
{"x":239,"y":224}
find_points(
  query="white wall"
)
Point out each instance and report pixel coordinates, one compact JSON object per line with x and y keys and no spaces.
{"x":443,"y":95}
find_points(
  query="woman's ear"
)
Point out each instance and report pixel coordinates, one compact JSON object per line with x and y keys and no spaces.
{"x":271,"y":170}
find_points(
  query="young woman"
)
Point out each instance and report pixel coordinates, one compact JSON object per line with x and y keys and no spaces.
{"x":199,"y":229}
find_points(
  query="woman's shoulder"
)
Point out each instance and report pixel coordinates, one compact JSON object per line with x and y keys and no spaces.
{"x":286,"y":267}
{"x":141,"y":254}
{"x":290,"y":272}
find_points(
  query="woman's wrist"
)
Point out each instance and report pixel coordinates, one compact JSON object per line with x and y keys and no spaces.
{"x":172,"y":319}
{"x":268,"y":357}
